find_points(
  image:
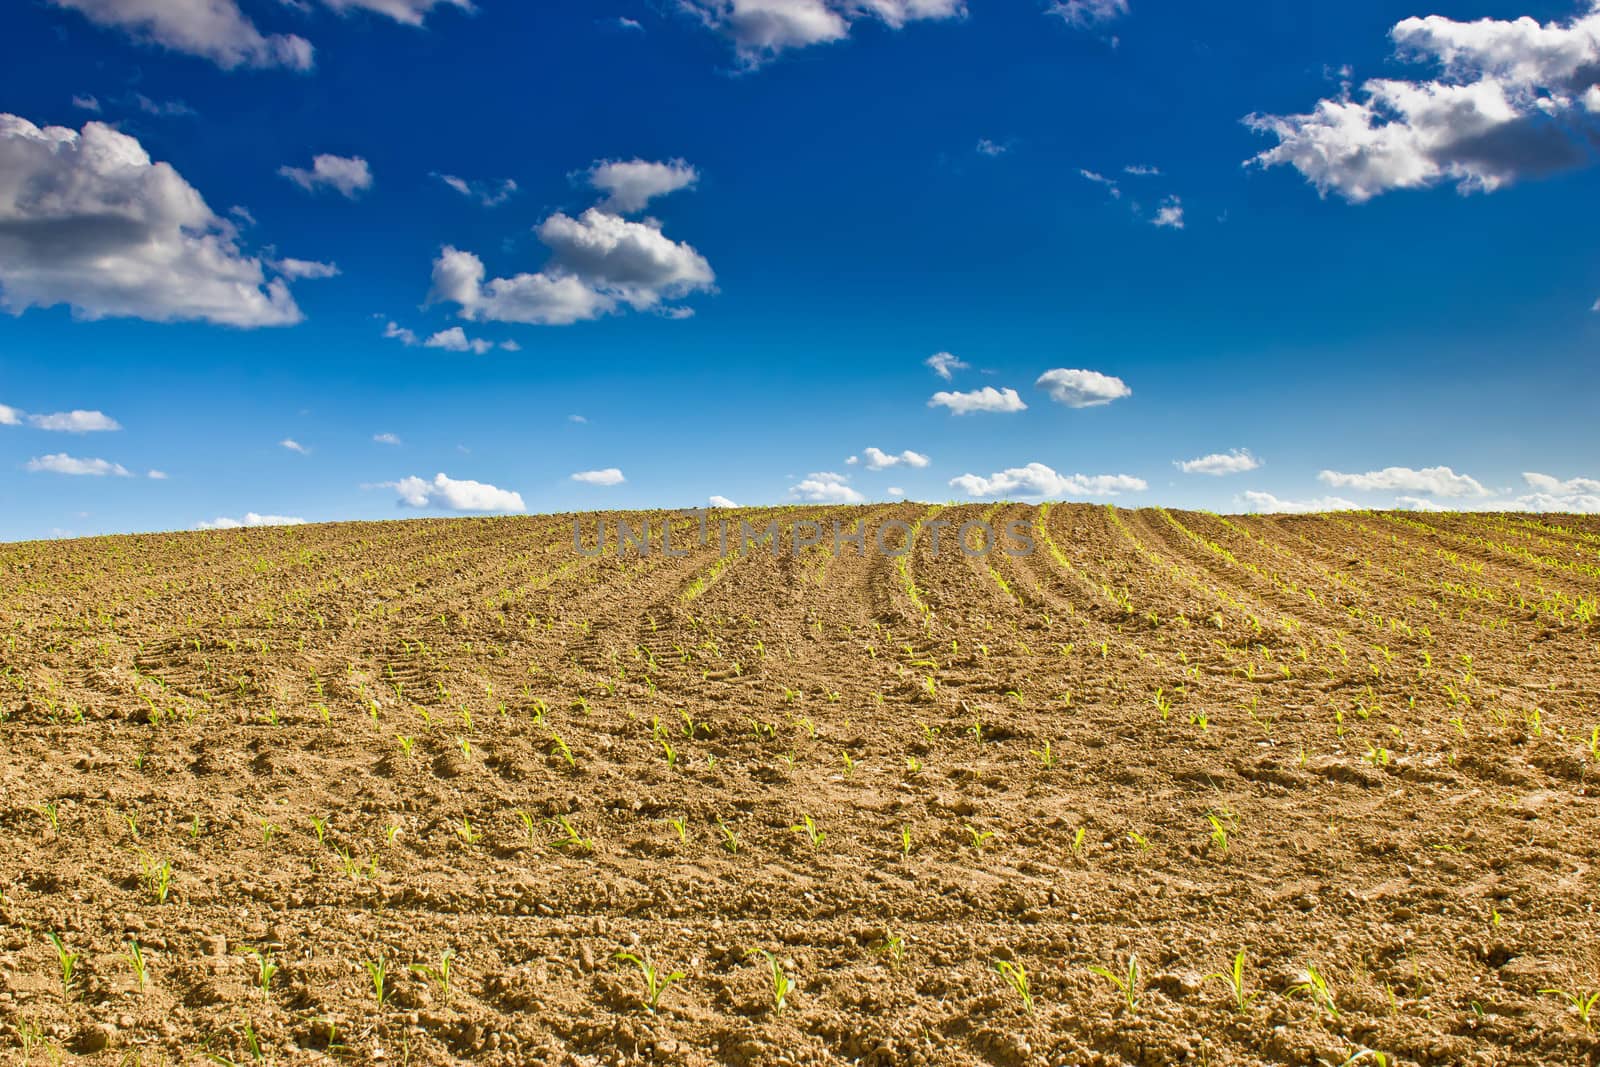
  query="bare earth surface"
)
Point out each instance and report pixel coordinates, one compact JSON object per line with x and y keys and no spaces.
{"x":1360,"y":749}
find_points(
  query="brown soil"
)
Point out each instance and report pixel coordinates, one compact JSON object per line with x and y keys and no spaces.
{"x":1390,"y":716}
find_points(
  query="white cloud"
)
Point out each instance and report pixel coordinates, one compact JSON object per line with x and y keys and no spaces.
{"x":295,"y":269}
{"x":895,"y":490}
{"x":386,"y":438}
{"x":1087,"y":12}
{"x":410,"y":12}
{"x":250,"y":520}
{"x":489,"y":194}
{"x":761,"y":29}
{"x":878,"y":460}
{"x":599,"y":263}
{"x":349,"y":175}
{"x":990,"y":148}
{"x":608,"y":476}
{"x":61,"y":463}
{"x":580,"y":419}
{"x":1510,"y":103}
{"x":159,"y":476}
{"x":446,"y":492}
{"x":1553,"y":494}
{"x":395,"y":332}
{"x":1140,"y":170}
{"x":1082,"y":388}
{"x":986,"y":399}
{"x":455,"y":340}
{"x":294,"y":446}
{"x":1417,"y":503}
{"x":1438,"y":481}
{"x":1219,"y":463}
{"x":721,"y":502}
{"x":1266,"y":502}
{"x":88,"y":220}
{"x":86,"y":103}
{"x":630,"y":185}
{"x":211,"y":29}
{"x":1038,"y":480}
{"x":1170,"y":214}
{"x":826,"y":487}
{"x":75,"y":422}
{"x":10,"y":416}
{"x":1110,"y":184}
{"x":944,"y":364}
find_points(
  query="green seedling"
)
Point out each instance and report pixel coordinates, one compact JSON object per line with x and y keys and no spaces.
{"x":977,"y":838}
{"x":810,"y":829}
{"x":782,"y":985}
{"x":467,"y":834}
{"x":573,"y":840}
{"x":1234,"y":979}
{"x":1219,"y":834}
{"x":1316,"y":988}
{"x":730,"y":840}
{"x":68,"y":964}
{"x":265,"y":969}
{"x":1016,"y":976}
{"x":655,"y":983}
{"x":378,"y":972}
{"x":136,"y":963}
{"x":1582,"y":1003}
{"x":156,"y":876}
{"x":439,"y":975}
{"x":1129,"y":985}
{"x":682,"y":827}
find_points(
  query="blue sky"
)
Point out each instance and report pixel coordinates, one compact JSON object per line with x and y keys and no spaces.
{"x":728,"y":235}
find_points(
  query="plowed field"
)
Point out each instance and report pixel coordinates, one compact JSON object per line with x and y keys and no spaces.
{"x":1360,"y":749}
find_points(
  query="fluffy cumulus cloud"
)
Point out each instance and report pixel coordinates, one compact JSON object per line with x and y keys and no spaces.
{"x":825,"y":487}
{"x":75,"y":422}
{"x":607,"y":476}
{"x":489,"y":194}
{"x":348,"y":175}
{"x":61,"y":463}
{"x":1084,"y":13}
{"x":61,"y":421}
{"x":721,"y":502}
{"x":1169,"y":215}
{"x":1438,"y":481}
{"x":945,"y":365}
{"x":454,"y":495}
{"x":630,"y":185}
{"x":1038,"y":480}
{"x":879,"y":460}
{"x":297,"y":269}
{"x":1266,"y":503}
{"x":599,"y":263}
{"x":1511,"y":99}
{"x":761,"y":29}
{"x":1082,"y":388}
{"x":88,"y":220}
{"x":1219,"y":463}
{"x":250,"y":521}
{"x":410,"y":12}
{"x":986,"y":399}
{"x":1549,"y":493}
{"x":455,"y":339}
{"x":211,"y":29}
